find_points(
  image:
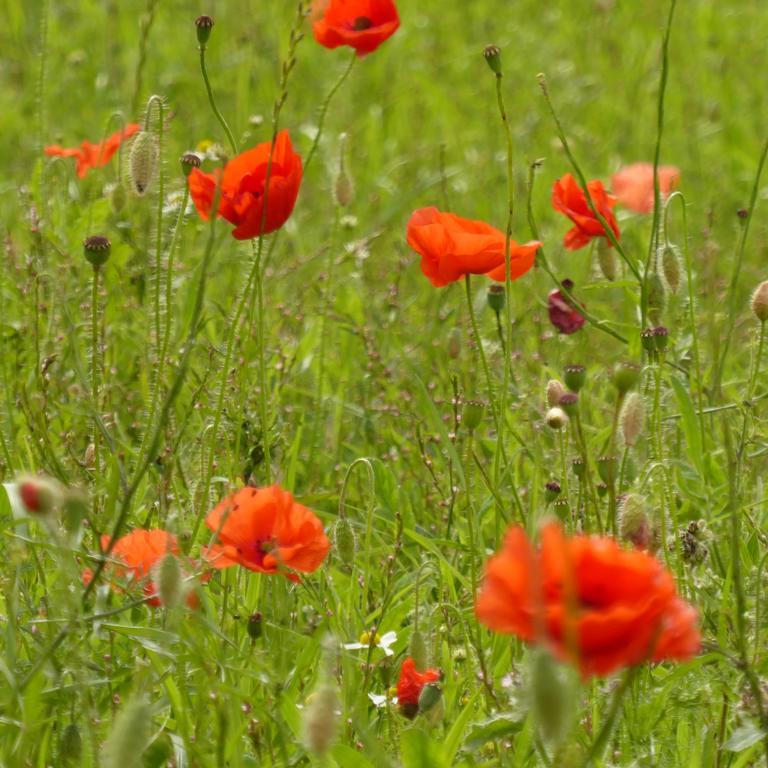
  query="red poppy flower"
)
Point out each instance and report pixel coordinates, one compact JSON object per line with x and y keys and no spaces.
{"x":266,"y":530}
{"x":410,"y":685}
{"x":135,"y":556}
{"x":452,"y":247}
{"x":241,"y":199}
{"x":361,"y":24}
{"x":569,"y":198}
{"x":562,"y":313}
{"x":587,"y":600}
{"x":93,"y":155}
{"x":633,"y":185}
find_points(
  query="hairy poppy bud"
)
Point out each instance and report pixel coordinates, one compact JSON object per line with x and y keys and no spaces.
{"x":555,"y":390}
{"x":129,"y":736}
{"x":472,"y":414}
{"x":417,"y":650}
{"x":579,"y":467}
{"x":70,"y":745}
{"x":117,"y":197}
{"x":189,"y":161}
{"x":551,"y":702}
{"x":575,"y":376}
{"x":657,"y":297}
{"x":634,"y":526}
{"x":569,"y":402}
{"x":606,"y":468}
{"x":556,"y":418}
{"x":607,"y":259}
{"x":759,"y":302}
{"x":454,"y":344}
{"x":96,"y":249}
{"x":497,"y":297}
{"x":169,"y":580}
{"x":646,"y":337}
{"x":344,"y":539}
{"x":626,"y":376}
{"x":321,"y":719}
{"x":38,"y":495}
{"x":492,"y":55}
{"x":254,"y":626}
{"x":143,"y":161}
{"x":671,"y":266}
{"x":660,"y":338}
{"x":204,"y":25}
{"x":632,"y":418}
{"x":551,"y":491}
{"x":430,"y":697}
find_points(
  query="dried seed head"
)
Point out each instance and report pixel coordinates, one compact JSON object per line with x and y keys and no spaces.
{"x":555,"y":390}
{"x":492,"y":54}
{"x":204,"y":25}
{"x":608,"y":260}
{"x":634,"y":526}
{"x":575,"y":377}
{"x":497,"y":297}
{"x":556,"y":418}
{"x":170,"y":581}
{"x":671,"y":266}
{"x":143,"y":161}
{"x":632,"y":418}
{"x":759,"y":302}
{"x":189,"y":161}
{"x":129,"y":736}
{"x":97,"y":249}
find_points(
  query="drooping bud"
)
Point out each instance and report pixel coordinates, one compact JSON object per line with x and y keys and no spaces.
{"x":417,"y":650}
{"x":492,"y":54}
{"x":204,"y":25}
{"x":759,"y":302}
{"x":626,"y":376}
{"x":497,"y":297}
{"x":671,"y":266}
{"x":320,"y":718}
{"x":634,"y":526}
{"x":189,"y":161}
{"x":657,"y":297}
{"x":255,"y":625}
{"x":344,"y":540}
{"x":143,"y":161}
{"x":632,"y":418}
{"x":129,"y":736}
{"x":550,"y":698}
{"x":551,"y":491}
{"x":472,"y":414}
{"x":660,"y":338}
{"x":96,"y":249}
{"x":607,"y":259}
{"x":556,"y":418}
{"x":575,"y":376}
{"x":555,"y":390}
{"x":606,"y":468}
{"x":569,"y":402}
{"x":169,"y":580}
{"x":70,"y":745}
{"x":39,"y":495}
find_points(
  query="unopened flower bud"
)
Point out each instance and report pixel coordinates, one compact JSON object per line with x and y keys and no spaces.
{"x":626,"y":376}
{"x":492,"y":55}
{"x":632,"y":418}
{"x":555,"y":390}
{"x":759,"y":302}
{"x":552,"y":491}
{"x":634,"y":526}
{"x":607,"y":259}
{"x":117,"y":197}
{"x":417,"y":650}
{"x":70,"y":745}
{"x":671,"y":266}
{"x":497,"y":297}
{"x":556,"y":418}
{"x":454,"y":344}
{"x":96,"y":249}
{"x":551,"y":702}
{"x":255,"y":625}
{"x":660,"y":338}
{"x":170,"y":581}
{"x":143,"y":161}
{"x":606,"y":468}
{"x":344,"y":540}
{"x":320,"y":719}
{"x":189,"y":161}
{"x":431,"y":695}
{"x":204,"y":25}
{"x":569,"y":402}
{"x":343,"y":189}
{"x":40,"y":496}
{"x":657,"y":297}
{"x":472,"y":414}
{"x":129,"y":736}
{"x":575,"y":376}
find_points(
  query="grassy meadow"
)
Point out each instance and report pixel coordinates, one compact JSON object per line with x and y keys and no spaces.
{"x":143,"y":392}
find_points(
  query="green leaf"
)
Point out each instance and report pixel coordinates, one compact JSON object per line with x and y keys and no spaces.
{"x":417,"y":750}
{"x":744,"y":737}
{"x":496,"y":727}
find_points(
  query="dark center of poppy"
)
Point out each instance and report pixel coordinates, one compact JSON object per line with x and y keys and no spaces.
{"x":361,"y":23}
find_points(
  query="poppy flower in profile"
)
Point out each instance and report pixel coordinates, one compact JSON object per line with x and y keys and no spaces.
{"x":266,"y":530}
{"x":134,"y":558}
{"x":452,"y":247}
{"x":633,"y":185}
{"x":569,"y":198}
{"x":91,"y":155}
{"x":243,"y":185}
{"x":410,"y":685}
{"x":361,"y":24}
{"x":587,"y":600}
{"x":562,"y":312}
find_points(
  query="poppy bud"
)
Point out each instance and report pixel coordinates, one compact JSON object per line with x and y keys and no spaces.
{"x":575,"y":376}
{"x":97,"y":249}
{"x":607,"y":259}
{"x":344,"y":540}
{"x":117,"y":197}
{"x":472,"y":414}
{"x":632,"y":418}
{"x":551,"y":702}
{"x":671,"y":266}
{"x":320,"y":719}
{"x":129,"y":736}
{"x":556,"y":418}
{"x":188,"y":162}
{"x":555,"y":390}
{"x":70,"y":745}
{"x":657,"y":297}
{"x":626,"y":376}
{"x":431,"y":696}
{"x":204,"y":25}
{"x":254,"y":625}
{"x":660,"y":338}
{"x":634,"y":526}
{"x":562,"y":509}
{"x":602,"y":489}
{"x":497,"y":297}
{"x":646,"y":337}
{"x":169,"y":580}
{"x":143,"y":161}
{"x":454,"y":344}
{"x":759,"y":302}
{"x":551,"y":491}
{"x":492,"y":55}
{"x":417,"y":650}
{"x":579,"y":467}
{"x":38,"y":495}
{"x":606,"y":468}
{"x":569,"y":402}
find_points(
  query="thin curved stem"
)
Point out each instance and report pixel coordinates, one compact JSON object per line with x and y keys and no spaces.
{"x":212,"y":102}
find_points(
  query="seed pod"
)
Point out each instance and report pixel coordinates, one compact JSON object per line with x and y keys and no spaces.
{"x":579,"y":467}
{"x":634,"y":526}
{"x":555,"y":390}
{"x":492,"y":54}
{"x":569,"y":402}
{"x":575,"y":376}
{"x":606,"y":468}
{"x":551,"y":491}
{"x":602,"y":489}
{"x":169,"y":580}
{"x":189,"y":161}
{"x":254,"y":626}
{"x":96,"y":250}
{"x":70,"y":745}
{"x":626,"y":376}
{"x":647,"y":340}
{"x":759,"y":302}
{"x":344,"y":540}
{"x":671,"y":266}
{"x":562,"y":509}
{"x":204,"y":25}
{"x":657,"y":297}
{"x":320,"y":719}
{"x":632,"y":418}
{"x":143,"y":161}
{"x":129,"y":736}
{"x":472,"y":414}
{"x":556,"y":418}
{"x":497,"y":297}
{"x":660,"y":338}
{"x":607,"y":259}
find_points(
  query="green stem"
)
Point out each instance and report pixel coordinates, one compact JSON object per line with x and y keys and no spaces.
{"x":95,"y":387}
{"x":212,"y":102}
